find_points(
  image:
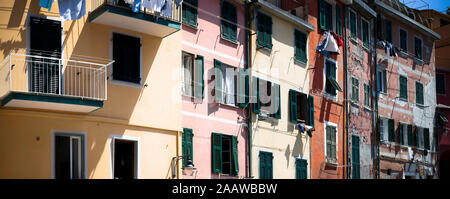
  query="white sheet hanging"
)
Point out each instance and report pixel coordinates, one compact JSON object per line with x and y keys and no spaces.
{"x":71,"y":9}
{"x":155,"y":5}
{"x":167,"y":8}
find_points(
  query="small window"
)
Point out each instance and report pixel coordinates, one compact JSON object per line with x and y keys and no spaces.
{"x":403,"y":87}
{"x":391,"y":131}
{"x":189,"y":10}
{"x":402,"y":134}
{"x":187,"y":146}
{"x":355,"y":90}
{"x":418,"y":48}
{"x":301,"y":108}
{"x":419,"y":93}
{"x":301,"y":170}
{"x":264,"y":28}
{"x":382,"y":81}
{"x":367,"y":95}
{"x":225,"y":83}
{"x":403,"y":40}
{"x":265,"y":165}
{"x":338,"y":20}
{"x":331,"y":85}
{"x":388,"y":31}
{"x":325,"y":15}
{"x":440,"y":83}
{"x":331,"y":144}
{"x":126,"y":54}
{"x":365,"y":33}
{"x":192,"y":75}
{"x":353,"y":25}
{"x":225,"y":154}
{"x":125,"y":159}
{"x":300,"y":46}
{"x":384,"y":130}
{"x":229,"y":21}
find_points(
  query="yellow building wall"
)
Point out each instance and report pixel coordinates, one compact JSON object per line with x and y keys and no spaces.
{"x":277,"y":65}
{"x":139,"y":110}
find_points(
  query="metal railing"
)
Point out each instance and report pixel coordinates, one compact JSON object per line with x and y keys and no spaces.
{"x":174,"y":15}
{"x":49,"y":75}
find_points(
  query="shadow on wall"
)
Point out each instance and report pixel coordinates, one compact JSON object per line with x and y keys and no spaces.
{"x":18,"y":13}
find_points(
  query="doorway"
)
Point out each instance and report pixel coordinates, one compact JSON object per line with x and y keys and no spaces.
{"x":69,"y":157}
{"x":125,"y":159}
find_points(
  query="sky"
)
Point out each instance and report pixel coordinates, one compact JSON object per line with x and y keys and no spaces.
{"x":439,"y":5}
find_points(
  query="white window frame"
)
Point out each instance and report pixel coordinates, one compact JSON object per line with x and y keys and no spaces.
{"x":325,"y":124}
{"x":405,"y":134}
{"x":184,"y":53}
{"x":369,"y":95}
{"x":82,"y":147}
{"x":328,"y":95}
{"x":399,"y":88}
{"x":382,"y":84}
{"x":384,"y":129}
{"x":113,"y":138}
{"x":359,"y":91}
{"x":235,"y":85}
{"x":111,"y":47}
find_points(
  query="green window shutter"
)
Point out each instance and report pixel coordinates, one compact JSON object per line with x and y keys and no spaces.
{"x":391,"y":130}
{"x":426,"y":138}
{"x":365,"y":33}
{"x":328,"y":142}
{"x":218,"y":76}
{"x":300,"y":46}
{"x":400,"y":133}
{"x":260,"y":29}
{"x":418,"y":48}
{"x":269,"y":32}
{"x":403,"y":40}
{"x":403,"y":87}
{"x":333,"y":142}
{"x":366,"y":95}
{"x":419,"y":93}
{"x":278,"y":101}
{"x":353,"y":24}
{"x":257,"y":103}
{"x":265,"y":165}
{"x":198,"y":78}
{"x":389,"y":31}
{"x":233,"y":18}
{"x":187,"y":145}
{"x":243,"y":90}
{"x":189,"y":12}
{"x":355,"y":158}
{"x":322,"y":15}
{"x":311,"y":110}
{"x":216,"y":143}
{"x":440,"y":83}
{"x":410,"y":136}
{"x":235,"y":156}
{"x":229,"y":16}
{"x":301,"y":170}
{"x":338,"y":20}
{"x":270,"y":165}
{"x":416,"y":137}
{"x":355,"y":89}
{"x":293,"y":106}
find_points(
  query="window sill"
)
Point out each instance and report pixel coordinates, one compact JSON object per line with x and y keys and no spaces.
{"x":300,"y":62}
{"x":367,"y":108}
{"x":195,"y":27}
{"x":331,"y":162}
{"x":228,"y":105}
{"x":229,"y":40}
{"x":125,"y":83}
{"x":259,"y":47}
{"x":355,"y":103}
{"x":420,"y":105}
{"x":403,"y":99}
{"x":354,"y":40}
{"x":330,"y":96}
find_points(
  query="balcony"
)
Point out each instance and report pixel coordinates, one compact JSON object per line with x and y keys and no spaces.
{"x":49,"y":83}
{"x":118,"y":13}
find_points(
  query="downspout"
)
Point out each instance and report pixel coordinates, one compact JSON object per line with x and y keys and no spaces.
{"x":377,"y":134}
{"x":346,"y":91}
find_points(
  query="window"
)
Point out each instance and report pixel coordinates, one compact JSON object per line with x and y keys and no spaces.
{"x":187,"y":146}
{"x":264,"y":29}
{"x":426,"y":138}
{"x":391,"y":130}
{"x":338,"y":20}
{"x":365,"y":32}
{"x":265,"y":165}
{"x":410,"y":136}
{"x":383,"y":129}
{"x":367,"y":95}
{"x":189,"y":10}
{"x":301,"y":108}
{"x":69,"y":156}
{"x":227,"y":78}
{"x":418,"y":47}
{"x":403,"y":40}
{"x":331,"y":144}
{"x":331,"y":85}
{"x":403,"y":87}
{"x":355,"y":90}
{"x":267,"y":98}
{"x":126,"y":54}
{"x":325,"y":15}
{"x":440,"y":83}
{"x":229,"y":21}
{"x":402,"y":134}
{"x":388,"y":31}
{"x":382,"y":81}
{"x":419,"y":93}
{"x":355,"y":158}
{"x":125,"y":159}
{"x":353,"y":28}
{"x":225,"y":154}
{"x":301,"y":170}
{"x":300,"y":46}
{"x":192,"y":75}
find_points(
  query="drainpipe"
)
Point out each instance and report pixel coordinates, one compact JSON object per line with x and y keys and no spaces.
{"x":346,"y":92}
{"x":378,"y":139}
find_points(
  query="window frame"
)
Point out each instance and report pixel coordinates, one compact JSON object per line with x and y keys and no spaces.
{"x":383,"y":84}
{"x":444,"y":83}
{"x":121,"y":82}
{"x":299,"y":43}
{"x":365,"y":45}
{"x":267,"y":18}
{"x":386,"y":21}
{"x":331,"y":95}
{"x":232,"y":159}
{"x":193,"y":23}
{"x":335,"y":126}
{"x":421,"y":48}
{"x":192,"y":78}
{"x":222,"y":35}
{"x":423,"y":96}
{"x":369,"y":98}
{"x":354,"y":37}
{"x":83,"y":150}
{"x":400,"y":89}
{"x":400,"y":39}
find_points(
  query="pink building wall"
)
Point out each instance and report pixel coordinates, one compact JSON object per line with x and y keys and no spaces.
{"x":206,"y":116}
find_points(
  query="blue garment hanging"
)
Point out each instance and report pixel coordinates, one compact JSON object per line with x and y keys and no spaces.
{"x":71,"y":9}
{"x":46,"y":4}
{"x":137,"y":5}
{"x":301,"y":127}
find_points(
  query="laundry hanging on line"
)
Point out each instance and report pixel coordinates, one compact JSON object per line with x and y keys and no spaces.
{"x":178,"y":3}
{"x":328,"y":45}
{"x":338,"y":39}
{"x":137,"y":6}
{"x":301,"y":127}
{"x":71,"y":9}
{"x":155,"y":5}
{"x":46,"y":4}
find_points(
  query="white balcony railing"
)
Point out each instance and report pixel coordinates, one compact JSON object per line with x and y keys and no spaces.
{"x":53,"y":76}
{"x":173,"y":15}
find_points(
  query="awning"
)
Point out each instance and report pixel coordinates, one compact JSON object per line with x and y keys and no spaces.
{"x":334,"y":83}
